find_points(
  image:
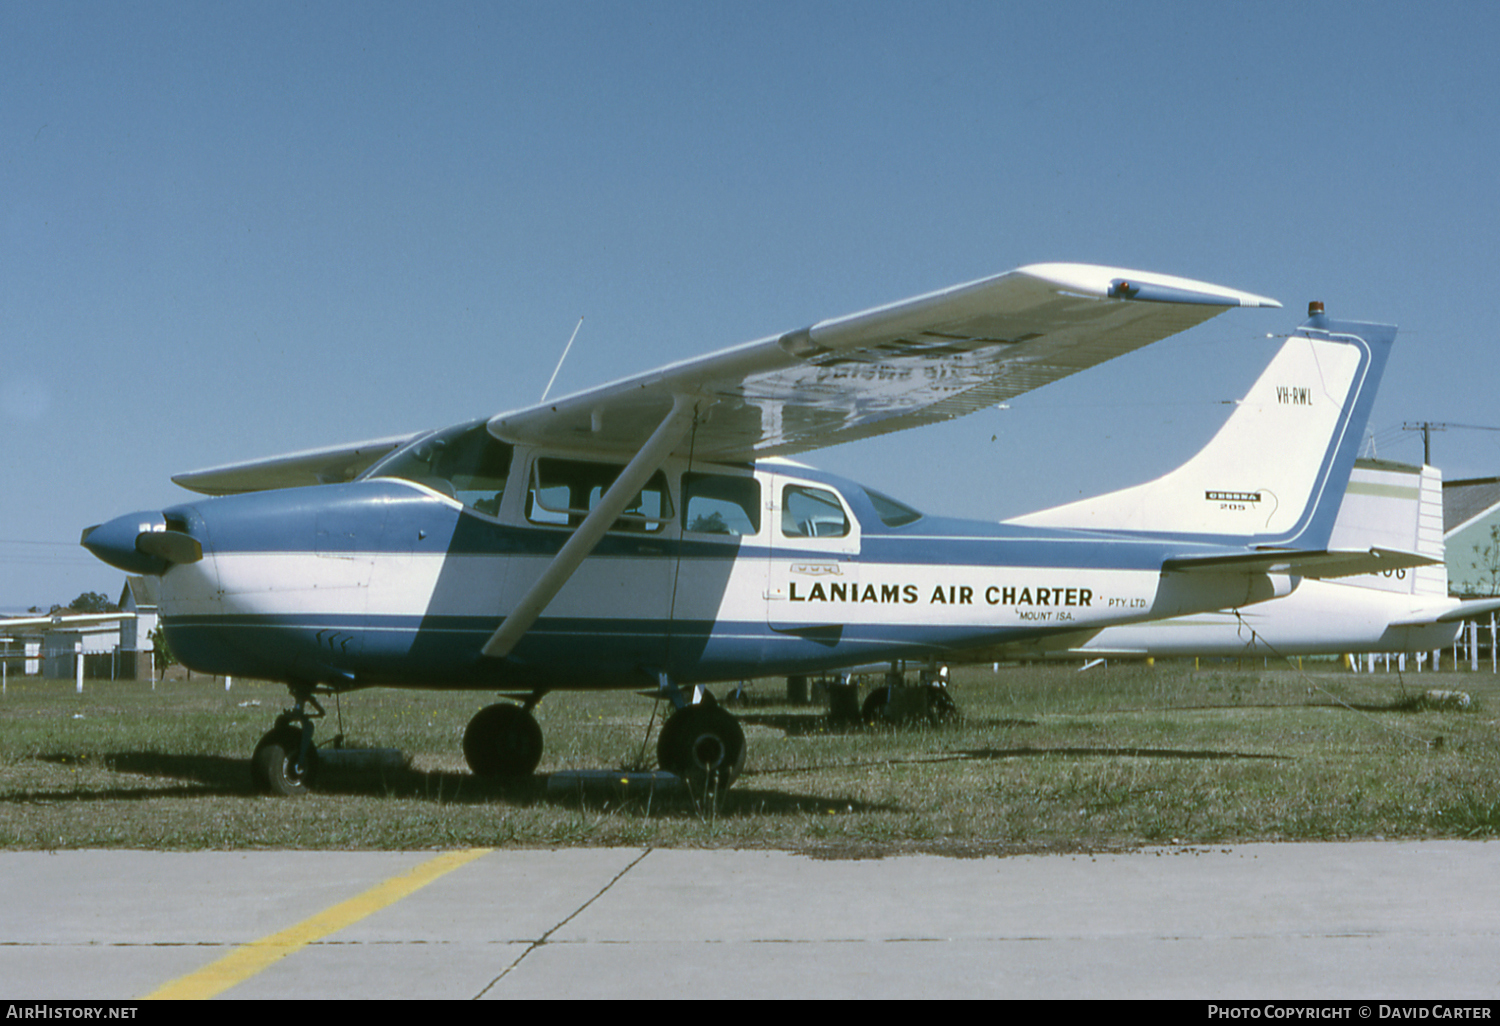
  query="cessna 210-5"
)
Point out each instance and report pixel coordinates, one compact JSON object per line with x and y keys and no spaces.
{"x":643,"y":534}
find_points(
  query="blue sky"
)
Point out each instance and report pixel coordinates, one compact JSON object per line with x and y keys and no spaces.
{"x":237,"y":229}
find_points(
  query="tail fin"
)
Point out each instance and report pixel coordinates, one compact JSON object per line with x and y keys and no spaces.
{"x":1276,"y":471}
{"x":1397,"y":507}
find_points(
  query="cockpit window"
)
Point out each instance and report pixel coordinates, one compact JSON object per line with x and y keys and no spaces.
{"x":466,"y":463}
{"x":891,"y":512}
{"x":808,"y":512}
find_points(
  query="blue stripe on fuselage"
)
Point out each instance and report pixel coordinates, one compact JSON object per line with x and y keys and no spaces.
{"x":555,"y":653}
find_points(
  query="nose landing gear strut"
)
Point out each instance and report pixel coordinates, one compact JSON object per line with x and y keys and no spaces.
{"x":285,"y":759}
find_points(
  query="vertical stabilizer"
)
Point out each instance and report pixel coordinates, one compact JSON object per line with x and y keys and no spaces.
{"x":1397,"y":507}
{"x":1275,"y":473}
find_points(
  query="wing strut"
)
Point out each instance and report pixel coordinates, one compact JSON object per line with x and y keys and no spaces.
{"x":577,"y":548}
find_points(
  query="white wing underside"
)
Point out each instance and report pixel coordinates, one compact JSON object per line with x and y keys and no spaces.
{"x":919,"y":361}
{"x":916,"y":362}
{"x":328,"y":465}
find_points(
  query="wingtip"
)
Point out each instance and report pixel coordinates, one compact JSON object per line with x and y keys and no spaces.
{"x":1259,"y":301}
{"x":1122,"y":283}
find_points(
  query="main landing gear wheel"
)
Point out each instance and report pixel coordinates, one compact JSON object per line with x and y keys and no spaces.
{"x":877,"y":706}
{"x":277,"y":767}
{"x":703,"y":745}
{"x":895,"y":705}
{"x":503,"y":740}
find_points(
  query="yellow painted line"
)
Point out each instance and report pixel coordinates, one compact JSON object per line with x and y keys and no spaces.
{"x":244,"y":962}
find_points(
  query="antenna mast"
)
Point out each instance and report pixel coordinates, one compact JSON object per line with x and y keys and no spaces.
{"x":560,"y":361}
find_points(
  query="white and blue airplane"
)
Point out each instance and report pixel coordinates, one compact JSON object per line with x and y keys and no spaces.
{"x":649,"y":533}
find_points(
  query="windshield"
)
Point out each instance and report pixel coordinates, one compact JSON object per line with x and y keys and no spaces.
{"x":891,"y":512}
{"x":464,"y":462}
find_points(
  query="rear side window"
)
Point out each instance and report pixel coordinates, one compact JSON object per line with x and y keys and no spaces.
{"x":562,"y":492}
{"x":808,"y":512}
{"x":720,"y":504}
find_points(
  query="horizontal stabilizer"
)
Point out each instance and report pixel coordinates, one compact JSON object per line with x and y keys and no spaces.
{"x":1316,"y":564}
{"x":1467,"y":610}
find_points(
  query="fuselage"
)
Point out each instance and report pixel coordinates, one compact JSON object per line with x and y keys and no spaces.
{"x":716,"y":572}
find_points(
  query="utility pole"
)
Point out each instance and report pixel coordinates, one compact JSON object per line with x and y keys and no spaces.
{"x":1427,"y":427}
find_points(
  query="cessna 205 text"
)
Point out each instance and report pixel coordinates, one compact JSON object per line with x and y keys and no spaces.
{"x":645,"y":534}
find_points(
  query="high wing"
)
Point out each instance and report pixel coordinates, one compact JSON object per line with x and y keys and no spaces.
{"x":328,"y":465}
{"x":915,"y":362}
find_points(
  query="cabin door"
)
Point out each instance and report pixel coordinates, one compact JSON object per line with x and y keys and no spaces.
{"x":813,"y":573}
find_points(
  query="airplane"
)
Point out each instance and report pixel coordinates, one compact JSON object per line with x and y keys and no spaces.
{"x":1394,"y":506}
{"x":652,"y":534}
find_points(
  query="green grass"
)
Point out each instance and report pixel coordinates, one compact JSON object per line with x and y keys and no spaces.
{"x":1043,"y":759}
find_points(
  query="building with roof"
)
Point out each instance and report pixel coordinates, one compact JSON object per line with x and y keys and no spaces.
{"x":98,"y":646}
{"x":137,"y":646}
{"x":1471,"y":532}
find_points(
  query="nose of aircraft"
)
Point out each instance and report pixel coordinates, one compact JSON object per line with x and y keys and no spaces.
{"x":141,"y":543}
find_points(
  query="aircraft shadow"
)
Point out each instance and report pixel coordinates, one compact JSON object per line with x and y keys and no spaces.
{"x":1135,"y":753}
{"x":806,"y":724}
{"x":998,"y":754}
{"x":203,"y":776}
{"x":799,"y":724}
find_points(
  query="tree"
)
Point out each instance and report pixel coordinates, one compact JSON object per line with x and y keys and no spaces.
{"x":164,"y":656}
{"x":88,"y":602}
{"x":92,"y":602}
{"x":1488,"y":563}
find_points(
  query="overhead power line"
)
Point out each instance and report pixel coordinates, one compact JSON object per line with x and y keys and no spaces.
{"x":1427,"y":427}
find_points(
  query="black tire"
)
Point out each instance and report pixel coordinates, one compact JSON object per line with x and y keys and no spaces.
{"x":503,"y":740}
{"x":876,"y":704}
{"x":703,"y":745}
{"x":273,"y":767}
{"x":940,"y":706}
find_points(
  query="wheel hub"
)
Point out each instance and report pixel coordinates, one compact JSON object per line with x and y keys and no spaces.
{"x":708,"y":751}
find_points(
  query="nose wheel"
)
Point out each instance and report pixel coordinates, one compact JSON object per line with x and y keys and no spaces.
{"x":285,"y":760}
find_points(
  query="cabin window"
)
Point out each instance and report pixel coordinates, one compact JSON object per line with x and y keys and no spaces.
{"x":562,"y":492}
{"x":812,"y":513}
{"x":465,"y":463}
{"x":720,"y":504}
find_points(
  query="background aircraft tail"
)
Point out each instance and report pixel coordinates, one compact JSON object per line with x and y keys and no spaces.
{"x":1276,"y":472}
{"x":1399,"y":507}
